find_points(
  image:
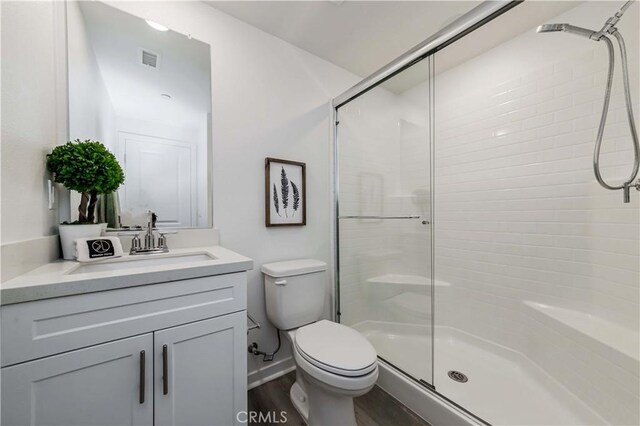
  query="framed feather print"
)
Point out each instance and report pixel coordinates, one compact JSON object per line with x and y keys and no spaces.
{"x":285,"y":193}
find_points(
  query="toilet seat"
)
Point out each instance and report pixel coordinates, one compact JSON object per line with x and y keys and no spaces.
{"x":335,"y":381}
{"x":336,"y":349}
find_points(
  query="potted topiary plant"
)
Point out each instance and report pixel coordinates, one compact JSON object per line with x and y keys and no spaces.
{"x":91,"y":169}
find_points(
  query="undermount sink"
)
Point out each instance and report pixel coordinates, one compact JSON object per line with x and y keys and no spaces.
{"x":140,"y":261}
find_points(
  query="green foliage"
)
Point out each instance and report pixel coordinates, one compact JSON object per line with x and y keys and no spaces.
{"x":85,"y":167}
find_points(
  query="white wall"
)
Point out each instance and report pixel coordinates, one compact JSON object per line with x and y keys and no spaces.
{"x":519,"y":215}
{"x":269,"y":99}
{"x":91,"y":112}
{"x":33,"y":114}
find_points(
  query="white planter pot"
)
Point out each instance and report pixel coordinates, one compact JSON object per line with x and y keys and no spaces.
{"x":69,"y":233}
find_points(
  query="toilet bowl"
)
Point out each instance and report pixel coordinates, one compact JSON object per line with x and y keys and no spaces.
{"x":334,"y":363}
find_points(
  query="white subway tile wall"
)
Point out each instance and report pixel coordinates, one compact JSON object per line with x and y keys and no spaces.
{"x":520,"y":217}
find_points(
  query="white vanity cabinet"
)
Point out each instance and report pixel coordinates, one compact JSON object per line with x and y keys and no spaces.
{"x":198,"y":376}
{"x":164,"y":354}
{"x":99,"y":385}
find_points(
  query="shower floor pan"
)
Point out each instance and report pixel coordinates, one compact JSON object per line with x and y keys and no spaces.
{"x":503,"y":387}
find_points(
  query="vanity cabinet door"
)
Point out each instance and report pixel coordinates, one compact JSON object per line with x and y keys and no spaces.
{"x":99,"y":385}
{"x":201,"y":372}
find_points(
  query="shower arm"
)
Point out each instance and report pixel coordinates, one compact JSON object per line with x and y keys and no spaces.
{"x":610,"y":26}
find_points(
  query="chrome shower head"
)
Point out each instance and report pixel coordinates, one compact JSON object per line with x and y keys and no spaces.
{"x":549,"y":28}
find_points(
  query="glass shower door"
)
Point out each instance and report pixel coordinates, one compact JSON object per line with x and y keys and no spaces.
{"x":384,"y":219}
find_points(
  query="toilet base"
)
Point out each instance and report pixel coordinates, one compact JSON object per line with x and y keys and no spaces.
{"x":320,"y":407}
{"x":299,"y":400}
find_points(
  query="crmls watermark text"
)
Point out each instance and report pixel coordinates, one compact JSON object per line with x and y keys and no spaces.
{"x":272,"y":417}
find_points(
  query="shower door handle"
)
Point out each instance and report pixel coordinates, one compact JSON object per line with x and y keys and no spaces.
{"x":380,"y":217}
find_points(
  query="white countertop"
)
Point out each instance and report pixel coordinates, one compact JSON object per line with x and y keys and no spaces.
{"x":58,"y":279}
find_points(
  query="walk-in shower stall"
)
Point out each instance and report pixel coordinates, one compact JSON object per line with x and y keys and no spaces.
{"x":475,"y":247}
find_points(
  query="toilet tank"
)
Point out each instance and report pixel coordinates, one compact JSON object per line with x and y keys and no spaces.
{"x":294,"y":292}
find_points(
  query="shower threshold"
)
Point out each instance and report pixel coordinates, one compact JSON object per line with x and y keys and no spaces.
{"x":503,"y":388}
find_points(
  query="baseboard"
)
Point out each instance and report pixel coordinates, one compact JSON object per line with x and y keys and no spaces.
{"x":20,"y":257}
{"x":270,"y":372}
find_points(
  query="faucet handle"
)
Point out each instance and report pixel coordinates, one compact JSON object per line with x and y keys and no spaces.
{"x":162,"y":241}
{"x":152,"y":219}
{"x":135,"y":242}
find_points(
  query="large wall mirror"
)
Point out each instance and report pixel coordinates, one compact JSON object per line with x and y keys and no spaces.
{"x":144,"y":91}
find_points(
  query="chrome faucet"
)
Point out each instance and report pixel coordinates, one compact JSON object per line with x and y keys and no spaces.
{"x":150,"y":239}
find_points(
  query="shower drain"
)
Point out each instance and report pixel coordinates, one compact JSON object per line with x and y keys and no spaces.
{"x":458,"y":376}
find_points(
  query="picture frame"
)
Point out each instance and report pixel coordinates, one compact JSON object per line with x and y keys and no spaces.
{"x":285,"y":193}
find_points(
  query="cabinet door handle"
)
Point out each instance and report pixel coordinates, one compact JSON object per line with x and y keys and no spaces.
{"x":165,"y":371}
{"x":143,"y":380}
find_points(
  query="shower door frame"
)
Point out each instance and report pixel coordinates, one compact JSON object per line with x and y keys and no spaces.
{"x":430,"y":120}
{"x":475,"y":18}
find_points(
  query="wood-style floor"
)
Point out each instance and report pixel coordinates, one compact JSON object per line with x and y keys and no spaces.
{"x":376,"y":408}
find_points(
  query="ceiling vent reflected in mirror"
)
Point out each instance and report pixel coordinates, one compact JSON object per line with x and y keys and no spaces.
{"x":149,"y":59}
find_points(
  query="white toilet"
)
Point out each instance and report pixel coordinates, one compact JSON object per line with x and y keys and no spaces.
{"x":334,"y":362}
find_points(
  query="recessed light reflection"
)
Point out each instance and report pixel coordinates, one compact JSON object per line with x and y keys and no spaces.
{"x":156,"y":26}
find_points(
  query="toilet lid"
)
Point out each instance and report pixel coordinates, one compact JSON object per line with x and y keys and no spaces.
{"x":336,"y":348}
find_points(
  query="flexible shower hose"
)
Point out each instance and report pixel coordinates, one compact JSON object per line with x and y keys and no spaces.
{"x":605,"y":109}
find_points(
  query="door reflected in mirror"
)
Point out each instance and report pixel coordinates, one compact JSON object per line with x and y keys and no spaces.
{"x":144,"y":91}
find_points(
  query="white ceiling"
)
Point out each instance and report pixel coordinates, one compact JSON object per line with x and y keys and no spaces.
{"x":363,"y":36}
{"x":183,"y":72}
{"x":360,"y":36}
